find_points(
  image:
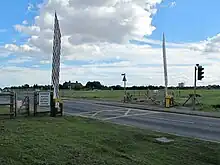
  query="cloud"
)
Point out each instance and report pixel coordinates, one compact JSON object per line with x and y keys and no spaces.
{"x":19,"y":60}
{"x":148,"y":41}
{"x":45,"y":62}
{"x":143,"y":66}
{"x":172,"y":4}
{"x":111,"y":21}
{"x":25,"y":22}
{"x":211,"y":45}
{"x":21,"y":48}
{"x":32,"y":7}
{"x":20,"y":75}
{"x":4,"y":52}
{"x":169,"y":5}
{"x":102,"y":24}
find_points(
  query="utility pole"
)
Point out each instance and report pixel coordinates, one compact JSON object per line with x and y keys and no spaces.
{"x":194,"y":92}
{"x":165,"y":66}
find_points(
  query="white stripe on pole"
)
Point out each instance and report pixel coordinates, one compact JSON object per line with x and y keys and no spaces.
{"x":56,"y":58}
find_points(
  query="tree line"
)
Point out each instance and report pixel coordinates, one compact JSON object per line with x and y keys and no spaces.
{"x":96,"y":85}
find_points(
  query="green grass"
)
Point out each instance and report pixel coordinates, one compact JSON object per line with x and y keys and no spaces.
{"x":208,"y":99}
{"x":77,"y":141}
{"x":100,"y":94}
{"x":4,"y":109}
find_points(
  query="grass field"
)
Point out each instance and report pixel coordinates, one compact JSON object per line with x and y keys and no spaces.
{"x":77,"y":141}
{"x":4,"y":109}
{"x":99,"y":94}
{"x":209,"y":98}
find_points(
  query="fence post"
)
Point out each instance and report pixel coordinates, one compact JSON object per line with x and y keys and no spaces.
{"x":15,"y":102}
{"x":61,"y":109}
{"x":11,"y":104}
{"x":28,"y":105}
{"x":52,"y":106}
{"x":35,"y":103}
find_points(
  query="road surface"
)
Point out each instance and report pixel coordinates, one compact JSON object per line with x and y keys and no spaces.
{"x":204,"y":128}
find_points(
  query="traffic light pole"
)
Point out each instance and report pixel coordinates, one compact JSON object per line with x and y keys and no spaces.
{"x":194,"y":95}
{"x":125,"y":88}
{"x":124,"y":80}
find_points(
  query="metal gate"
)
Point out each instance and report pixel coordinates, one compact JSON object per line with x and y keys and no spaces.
{"x":8,"y":104}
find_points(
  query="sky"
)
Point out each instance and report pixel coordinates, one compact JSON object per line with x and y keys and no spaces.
{"x":103,"y":38}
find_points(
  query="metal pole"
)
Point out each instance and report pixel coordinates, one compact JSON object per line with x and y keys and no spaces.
{"x":165,"y":65}
{"x":15,"y":96}
{"x":28,"y":106}
{"x":124,"y":80}
{"x":11,"y":104}
{"x":194,"y":95}
{"x":35,"y":103}
{"x":125,"y":87}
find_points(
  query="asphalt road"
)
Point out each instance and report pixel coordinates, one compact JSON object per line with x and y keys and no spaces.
{"x":204,"y":128}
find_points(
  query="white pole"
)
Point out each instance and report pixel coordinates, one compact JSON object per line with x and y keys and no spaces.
{"x":165,"y":65}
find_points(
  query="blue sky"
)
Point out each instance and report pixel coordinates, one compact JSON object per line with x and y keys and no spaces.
{"x":11,"y":13}
{"x":188,"y":21}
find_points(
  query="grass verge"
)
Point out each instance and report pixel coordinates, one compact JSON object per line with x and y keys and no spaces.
{"x":209,"y":98}
{"x":77,"y":141}
{"x":4,"y":109}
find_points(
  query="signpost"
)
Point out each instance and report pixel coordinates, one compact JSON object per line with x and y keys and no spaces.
{"x":44,"y":99}
{"x":124,"y":80}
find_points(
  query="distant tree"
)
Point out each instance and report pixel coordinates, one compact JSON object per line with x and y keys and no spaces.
{"x":35,"y":86}
{"x":26,"y":86}
{"x":94,"y":85}
{"x":117,"y":87}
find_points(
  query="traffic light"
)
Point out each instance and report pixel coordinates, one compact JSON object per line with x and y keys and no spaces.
{"x":200,"y":72}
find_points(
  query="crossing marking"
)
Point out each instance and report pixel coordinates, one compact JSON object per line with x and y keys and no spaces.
{"x":126,"y":113}
{"x":139,"y":114}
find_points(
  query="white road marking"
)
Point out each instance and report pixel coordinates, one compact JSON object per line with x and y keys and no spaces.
{"x":121,"y":116}
{"x":126,"y":113}
{"x":96,"y":113}
{"x":140,"y":114}
{"x":74,"y":114}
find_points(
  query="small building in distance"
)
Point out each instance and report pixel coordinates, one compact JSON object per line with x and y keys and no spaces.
{"x":76,"y":85}
{"x":181,"y":85}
